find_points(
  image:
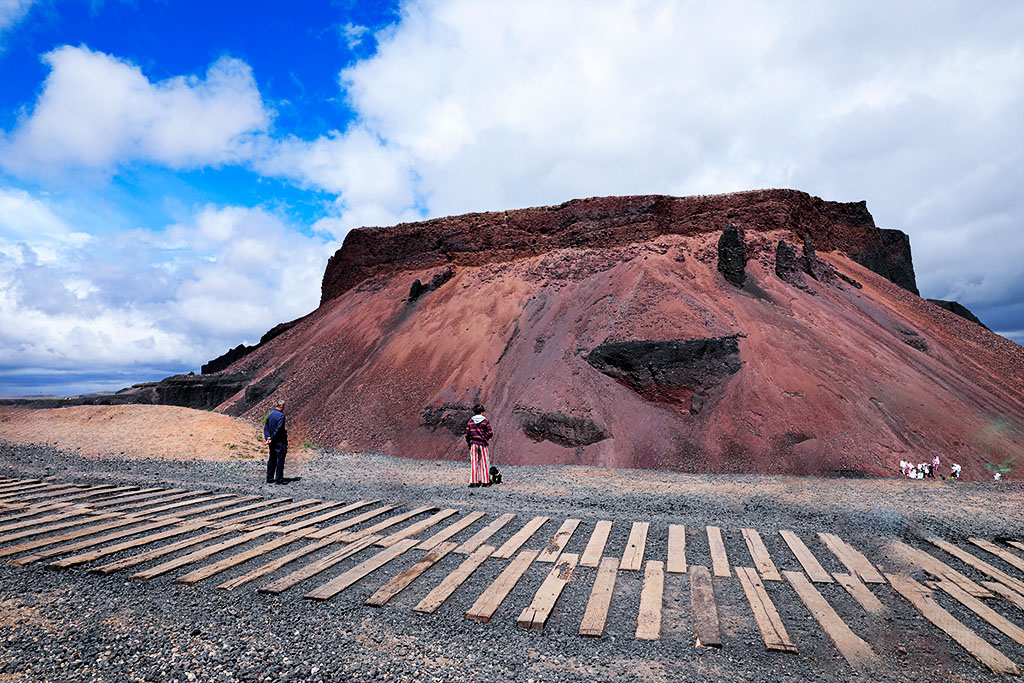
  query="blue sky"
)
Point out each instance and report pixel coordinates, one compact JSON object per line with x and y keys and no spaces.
{"x":174,"y":175}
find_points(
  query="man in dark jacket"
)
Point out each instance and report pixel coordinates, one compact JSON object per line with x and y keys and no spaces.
{"x":478,"y":433}
{"x":277,"y":439}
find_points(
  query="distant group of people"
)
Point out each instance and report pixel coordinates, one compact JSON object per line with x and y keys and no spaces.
{"x":926,"y":470}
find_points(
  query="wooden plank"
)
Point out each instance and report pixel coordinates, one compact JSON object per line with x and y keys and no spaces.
{"x":213,"y":506}
{"x":851,"y":558}
{"x":513,"y":544}
{"x":93,"y":492}
{"x":852,"y":647}
{"x":705,"y":611}
{"x":227,"y":516}
{"x":120,"y":547}
{"x":90,"y":542}
{"x":536,"y":614}
{"x":396,"y":585}
{"x":633,"y":555}
{"x":70,"y":535}
{"x":919,"y":558}
{"x":1016,"y":544}
{"x":259,"y":519}
{"x":449,"y":531}
{"x":15,"y":491}
{"x":558,"y":541}
{"x":360,"y":571}
{"x":274,"y":565}
{"x":142,"y":505}
{"x":595,"y":546}
{"x":719,"y":560}
{"x":648,"y":619}
{"x":1007,"y":627}
{"x":979,"y":564}
{"x":197,"y":575}
{"x":157,"y":553}
{"x":314,"y":568}
{"x":17,"y":535}
{"x":298,"y":514}
{"x":759,"y":554}
{"x":767,"y":618}
{"x":385,"y":524}
{"x":600,"y":600}
{"x":676,"y":549}
{"x":1012,"y":596}
{"x":489,"y":601}
{"x":137,"y":497}
{"x":66,"y":514}
{"x":436,"y":597}
{"x":197,"y":555}
{"x":47,"y":494}
{"x":417,"y":527}
{"x":1002,"y":553}
{"x":814,"y":570}
{"x":187,"y":503}
{"x":922,"y":599}
{"x":327,"y":516}
{"x":859,"y":592}
{"x":478,"y":539}
{"x":335,"y":529}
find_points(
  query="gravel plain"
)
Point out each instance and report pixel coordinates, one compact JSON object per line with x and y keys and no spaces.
{"x":70,"y":625}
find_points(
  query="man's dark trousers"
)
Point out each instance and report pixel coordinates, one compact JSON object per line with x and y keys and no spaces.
{"x":275,"y":464}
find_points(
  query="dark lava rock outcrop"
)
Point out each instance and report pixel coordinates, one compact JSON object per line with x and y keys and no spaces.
{"x":959,"y":309}
{"x":732,"y":256}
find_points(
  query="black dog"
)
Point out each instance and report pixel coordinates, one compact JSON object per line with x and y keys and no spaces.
{"x":495,"y":475}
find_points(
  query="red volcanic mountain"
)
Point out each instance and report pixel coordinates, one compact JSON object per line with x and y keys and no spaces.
{"x":765,"y":331}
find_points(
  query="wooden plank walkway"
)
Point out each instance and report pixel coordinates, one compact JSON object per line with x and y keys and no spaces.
{"x":436,"y":597}
{"x":922,"y":599}
{"x":417,"y":527}
{"x":480,"y":537}
{"x":759,"y":554}
{"x":195,"y":556}
{"x":851,"y":558}
{"x":449,"y":531}
{"x":228,"y":516}
{"x":600,"y":598}
{"x":676,"y":549}
{"x":120,"y":547}
{"x":278,"y":521}
{"x":349,"y":523}
{"x":1007,"y":627}
{"x":558,"y":542}
{"x":274,"y":565}
{"x":352,"y":536}
{"x":648,"y":619}
{"x":138,"y":494}
{"x":536,"y":614}
{"x":805,"y":557}
{"x":1011,"y":596}
{"x":360,"y":571}
{"x":314,"y":568}
{"x":861,"y":593}
{"x":719,"y":560}
{"x":706,"y":628}
{"x":399,"y":583}
{"x":1002,"y":553}
{"x":513,"y":544}
{"x":852,"y":647}
{"x":489,"y":601}
{"x":636,"y":544}
{"x":769,"y":623}
{"x":215,"y":568}
{"x":595,"y":546}
{"x":157,"y":553}
{"x":115,"y":522}
{"x":61,"y":520}
{"x":90,"y":542}
{"x":979,"y":564}
{"x":327,"y":516}
{"x":923,"y":560}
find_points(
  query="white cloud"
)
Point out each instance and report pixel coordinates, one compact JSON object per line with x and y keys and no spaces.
{"x":96,"y":111}
{"x":12,"y":11}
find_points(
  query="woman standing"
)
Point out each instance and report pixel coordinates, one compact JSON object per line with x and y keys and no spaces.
{"x":478,"y":433}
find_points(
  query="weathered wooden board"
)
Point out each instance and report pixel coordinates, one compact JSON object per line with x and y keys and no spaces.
{"x":327,"y":516}
{"x":852,"y":647}
{"x":449,"y":531}
{"x":558,"y":542}
{"x":979,"y":564}
{"x":259,"y":520}
{"x":536,"y":614}
{"x":922,"y":599}
{"x":142,"y":506}
{"x":489,"y":601}
{"x":297,"y":514}
{"x":513,"y":544}
{"x":177,"y":507}
{"x":851,"y":558}
{"x":767,"y":618}
{"x":1012,"y":596}
{"x":396,"y":585}
{"x":197,"y":575}
{"x":228,"y":516}
{"x":759,"y":553}
{"x":1016,"y":544}
{"x":600,"y":600}
{"x":120,"y":547}
{"x":436,"y":597}
{"x":719,"y":560}
{"x":595,"y":546}
{"x":162,"y":551}
{"x":676,"y":549}
{"x":90,"y":542}
{"x":806,"y":559}
{"x":116,"y":521}
{"x":478,"y":539}
{"x":360,"y":571}
{"x":138,"y":494}
{"x":385,"y":524}
{"x":274,"y":565}
{"x":1002,"y":553}
{"x":48,"y":493}
{"x":417,"y":527}
{"x":94,"y":492}
{"x":636,"y":544}
{"x":197,"y":555}
{"x":212,"y":506}
{"x":859,"y":592}
{"x":30,"y":517}
{"x":314,"y":568}
{"x":648,"y":618}
{"x":1008,"y":628}
{"x":705,"y":611}
{"x":919,"y":558}
{"x":64,"y":517}
{"x":335,"y":529}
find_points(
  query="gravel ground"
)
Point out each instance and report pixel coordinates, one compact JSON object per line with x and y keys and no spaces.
{"x":74,"y":626}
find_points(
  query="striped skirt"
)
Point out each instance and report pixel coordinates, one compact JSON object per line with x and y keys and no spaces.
{"x":479,"y":465}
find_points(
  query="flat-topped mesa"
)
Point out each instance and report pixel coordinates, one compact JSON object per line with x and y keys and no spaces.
{"x":479,"y":238}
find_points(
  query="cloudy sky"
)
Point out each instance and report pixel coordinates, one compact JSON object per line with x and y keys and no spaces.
{"x":174,"y":175}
